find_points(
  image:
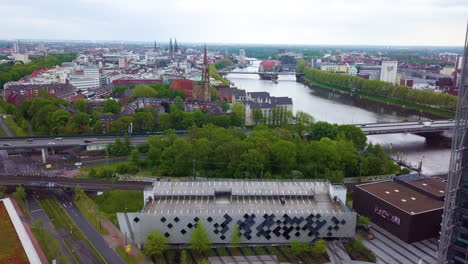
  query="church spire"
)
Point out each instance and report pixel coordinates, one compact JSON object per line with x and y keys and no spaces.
{"x":206,"y":68}
{"x":176,"y":47}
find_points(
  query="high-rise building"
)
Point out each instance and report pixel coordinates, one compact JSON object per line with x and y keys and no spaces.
{"x":388,"y":72}
{"x":241,"y":56}
{"x":453,"y":248}
{"x":16,"y":47}
{"x":123,"y":63}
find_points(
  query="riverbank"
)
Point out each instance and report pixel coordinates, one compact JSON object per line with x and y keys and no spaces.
{"x":391,"y":102}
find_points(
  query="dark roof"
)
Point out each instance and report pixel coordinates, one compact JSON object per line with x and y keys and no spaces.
{"x":402,"y":197}
{"x":281,"y":100}
{"x":259,"y":94}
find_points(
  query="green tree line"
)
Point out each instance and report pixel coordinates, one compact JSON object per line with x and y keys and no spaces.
{"x":379,"y":88}
{"x":13,"y":72}
{"x":327,"y":152}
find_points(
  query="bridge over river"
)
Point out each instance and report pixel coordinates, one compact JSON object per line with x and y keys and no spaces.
{"x":137,"y":139}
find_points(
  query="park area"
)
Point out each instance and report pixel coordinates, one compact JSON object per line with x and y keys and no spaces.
{"x":11,"y":250}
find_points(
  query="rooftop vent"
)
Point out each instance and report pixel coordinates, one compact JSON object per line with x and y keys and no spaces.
{"x":424,"y":184}
{"x":403,"y":200}
{"x":397,"y":190}
{"x":412,"y":198}
{"x":387,"y":192}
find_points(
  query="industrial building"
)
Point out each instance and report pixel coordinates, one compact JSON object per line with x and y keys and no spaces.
{"x":266,"y":212}
{"x":410,"y":207}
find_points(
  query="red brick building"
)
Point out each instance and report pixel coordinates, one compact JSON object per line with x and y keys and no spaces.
{"x":16,"y":93}
{"x":185,"y":86}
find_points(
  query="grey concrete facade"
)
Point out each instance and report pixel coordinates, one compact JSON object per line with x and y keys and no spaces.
{"x":305,"y":212}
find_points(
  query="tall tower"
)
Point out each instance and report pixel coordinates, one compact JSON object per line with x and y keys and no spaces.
{"x":176,"y":47}
{"x":155,"y":46}
{"x":453,"y":247}
{"x":171,"y":48}
{"x":202,"y":89}
{"x":206,"y":67}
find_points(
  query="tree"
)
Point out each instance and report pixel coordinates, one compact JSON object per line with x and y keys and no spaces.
{"x":323,"y":129}
{"x":354,"y":134}
{"x":19,"y":193}
{"x":225,"y":106}
{"x":238,"y":114}
{"x":298,"y":248}
{"x":59,"y":119}
{"x":144,"y":91}
{"x":135,"y":156}
{"x":156,"y":244}
{"x":257,"y":116}
{"x":304,"y":122}
{"x":184,"y":258}
{"x":111,"y":106}
{"x":199,"y":241}
{"x":80,"y":105}
{"x":179,"y":103}
{"x":319,"y":248}
{"x":236,"y":237}
{"x":363,"y":221}
{"x":2,"y":191}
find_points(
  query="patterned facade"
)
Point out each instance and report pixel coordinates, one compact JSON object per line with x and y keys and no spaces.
{"x":311,"y":210}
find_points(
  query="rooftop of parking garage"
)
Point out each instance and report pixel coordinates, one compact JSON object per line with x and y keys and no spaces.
{"x":239,"y":197}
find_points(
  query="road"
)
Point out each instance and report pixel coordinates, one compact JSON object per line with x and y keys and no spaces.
{"x":88,"y":230}
{"x":407,"y":127}
{"x":54,"y":142}
{"x":102,"y":140}
{"x":37,"y":214}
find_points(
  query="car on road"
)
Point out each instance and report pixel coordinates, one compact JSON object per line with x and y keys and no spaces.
{"x":7,"y":145}
{"x":29,"y":140}
{"x":51,"y":143}
{"x":78,"y":164}
{"x":88,"y":141}
{"x":58,"y":139}
{"x":427,"y":123}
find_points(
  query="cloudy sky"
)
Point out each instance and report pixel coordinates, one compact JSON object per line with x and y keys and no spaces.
{"x":372,"y":22}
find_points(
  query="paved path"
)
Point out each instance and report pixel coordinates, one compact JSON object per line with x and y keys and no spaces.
{"x":37,"y":214}
{"x":337,"y":253}
{"x":391,"y":250}
{"x":88,"y":230}
{"x":6,"y":128}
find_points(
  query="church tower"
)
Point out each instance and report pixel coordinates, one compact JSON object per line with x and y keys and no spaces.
{"x":202,"y":89}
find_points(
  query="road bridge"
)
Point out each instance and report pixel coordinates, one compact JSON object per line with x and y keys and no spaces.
{"x":44,"y":142}
{"x":252,"y":72}
{"x":70,"y":183}
{"x":419,"y":127}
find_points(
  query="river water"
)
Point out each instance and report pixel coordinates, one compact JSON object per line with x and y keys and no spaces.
{"x":325,"y":105}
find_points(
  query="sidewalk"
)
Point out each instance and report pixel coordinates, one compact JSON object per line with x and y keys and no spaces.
{"x":26,"y":225}
{"x":116,"y":238}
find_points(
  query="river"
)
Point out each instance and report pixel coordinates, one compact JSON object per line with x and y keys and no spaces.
{"x":325,"y":105}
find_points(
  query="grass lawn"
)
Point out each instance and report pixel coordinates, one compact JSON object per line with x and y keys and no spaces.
{"x":11,"y":250}
{"x":126,"y":257}
{"x":48,"y":243}
{"x":111,"y":166}
{"x":248,"y":251}
{"x":114,"y":201}
{"x":61,"y":219}
{"x":90,"y":210}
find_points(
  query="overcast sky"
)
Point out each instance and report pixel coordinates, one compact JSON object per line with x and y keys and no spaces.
{"x":372,"y":22}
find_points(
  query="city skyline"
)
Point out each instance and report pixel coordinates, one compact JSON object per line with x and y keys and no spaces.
{"x":401,"y":23}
